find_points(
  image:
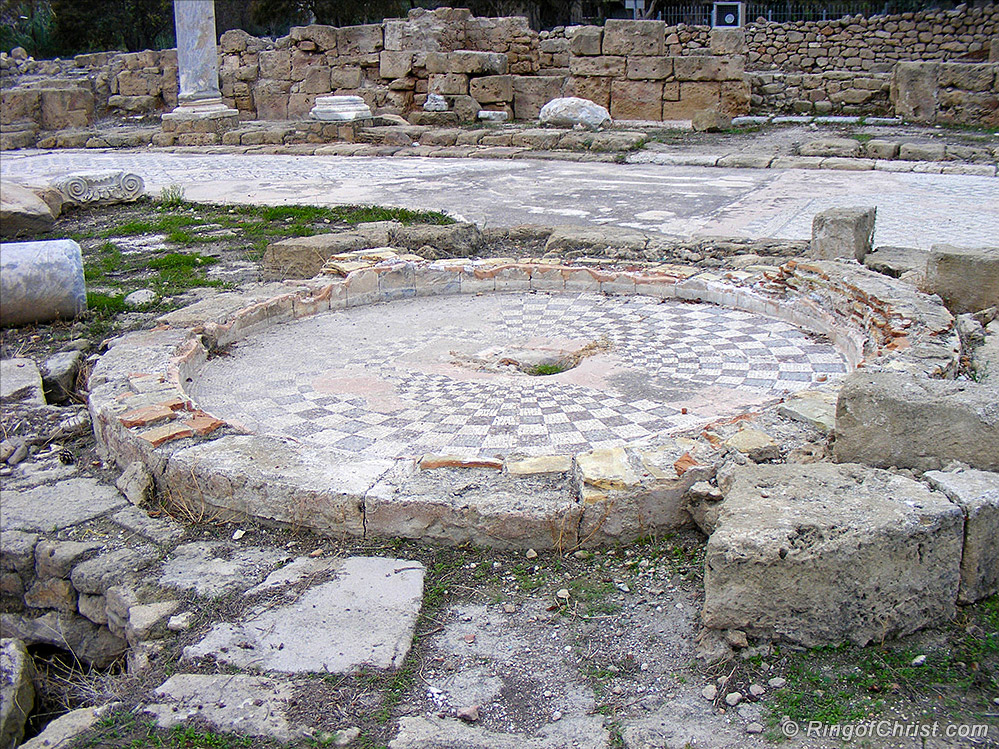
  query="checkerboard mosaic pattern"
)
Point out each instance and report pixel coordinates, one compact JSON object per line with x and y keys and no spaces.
{"x":398,"y":391}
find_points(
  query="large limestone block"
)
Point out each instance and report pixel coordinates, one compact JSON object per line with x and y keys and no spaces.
{"x":22,"y":211}
{"x":967,"y":279}
{"x":604,"y":66}
{"x":693,"y":97}
{"x":41,"y":281}
{"x":21,"y":381}
{"x":489,"y":89}
{"x":845,"y":147}
{"x":17,"y":691}
{"x":704,"y":68}
{"x":394,"y":64}
{"x":822,"y":554}
{"x":636,"y":100}
{"x":627,"y":37}
{"x":470,"y":62}
{"x":359,"y":40}
{"x":842,"y":232}
{"x":304,"y":257}
{"x":977,"y":494}
{"x":914,"y":90}
{"x":723,"y":41}
{"x":532,"y":93}
{"x":585,"y":40}
{"x":885,"y":419}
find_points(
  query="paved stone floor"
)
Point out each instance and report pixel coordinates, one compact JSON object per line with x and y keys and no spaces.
{"x":422,"y":375}
{"x":915,"y":210}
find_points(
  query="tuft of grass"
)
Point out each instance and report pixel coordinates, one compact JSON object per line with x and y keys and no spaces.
{"x":106,"y":304}
{"x":172,"y":196}
{"x":545,"y":370}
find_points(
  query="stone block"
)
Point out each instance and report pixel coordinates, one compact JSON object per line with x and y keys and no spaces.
{"x":842,"y":232}
{"x":710,"y":121}
{"x":392,"y":64}
{"x":703,"y":68}
{"x":346,"y":77}
{"x":914,"y":91}
{"x":822,"y":554}
{"x":324,"y":37}
{"x":19,"y":105}
{"x":470,"y":62}
{"x":736,"y":97}
{"x":316,"y":81}
{"x":723,"y":41}
{"x":649,"y":68}
{"x":694,"y":96}
{"x":531,"y":93}
{"x":270,"y":99}
{"x":627,"y":37}
{"x":597,"y":90}
{"x":22,"y":211}
{"x":449,"y":84}
{"x":886,"y":419}
{"x":275,"y":64}
{"x":490,"y":89}
{"x":966,"y":278}
{"x":17,"y":690}
{"x":967,"y":77}
{"x":606,"y":66}
{"x":66,"y":107}
{"x":846,"y":147}
{"x":359,"y":40}
{"x":585,"y":40}
{"x":636,"y":100}
{"x":977,"y":494}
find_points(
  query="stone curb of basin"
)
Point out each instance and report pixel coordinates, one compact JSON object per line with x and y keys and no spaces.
{"x":141,"y":411}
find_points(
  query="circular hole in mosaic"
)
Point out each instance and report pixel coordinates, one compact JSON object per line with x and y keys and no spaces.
{"x":499,"y":374}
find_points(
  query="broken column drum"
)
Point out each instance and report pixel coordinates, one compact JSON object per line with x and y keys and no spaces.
{"x":41,"y":281}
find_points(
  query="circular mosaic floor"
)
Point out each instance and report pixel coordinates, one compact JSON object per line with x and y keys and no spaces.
{"x":433,"y":374}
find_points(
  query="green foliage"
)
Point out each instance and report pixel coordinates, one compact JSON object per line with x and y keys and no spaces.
{"x":98,"y":25}
{"x":172,"y":196}
{"x":27,"y":24}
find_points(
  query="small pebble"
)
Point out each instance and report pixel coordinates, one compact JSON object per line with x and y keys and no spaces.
{"x":733,"y":698}
{"x":509,"y":608}
{"x":756,"y":690}
{"x":754,"y":727}
{"x":557,"y":715}
{"x":709,"y":692}
{"x":238,"y":534}
{"x":919,"y":660}
{"x":777,"y":682}
{"x":469,"y":714}
{"x":563,"y":594}
{"x":531,"y":554}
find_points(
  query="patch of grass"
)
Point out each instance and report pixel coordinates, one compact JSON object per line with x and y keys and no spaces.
{"x":862,"y":137}
{"x":172,"y":196}
{"x":545,"y":370}
{"x":593,"y":595}
{"x":846,"y":683}
{"x":125,"y":729}
{"x":176,"y":261}
{"x":528,"y":580}
{"x":161,"y":225}
{"x":106,"y":304}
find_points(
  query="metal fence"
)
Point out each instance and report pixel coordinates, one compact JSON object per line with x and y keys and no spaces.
{"x":700,"y":14}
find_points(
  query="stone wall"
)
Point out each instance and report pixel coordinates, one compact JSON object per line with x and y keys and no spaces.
{"x":637,"y":69}
{"x":873,"y":44}
{"x":624,"y":66}
{"x":947,"y":92}
{"x":829,"y":92}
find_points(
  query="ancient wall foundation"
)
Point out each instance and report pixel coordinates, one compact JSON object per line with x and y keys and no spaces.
{"x":928,"y":67}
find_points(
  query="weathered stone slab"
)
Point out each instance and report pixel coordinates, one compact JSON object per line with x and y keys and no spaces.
{"x":41,"y":281}
{"x":584,"y":732}
{"x":847,"y":147}
{"x":364,"y":617}
{"x":977,"y":494}
{"x":64,"y":729}
{"x":886,"y":419}
{"x":816,"y":408}
{"x":20,"y":381}
{"x":595,"y":239}
{"x":22,"y":211}
{"x":57,"y":506}
{"x":214,"y":568}
{"x":967,"y":279}
{"x":842,"y":232}
{"x":102,"y":188}
{"x":822,"y":554}
{"x":234,"y":703}
{"x":17,"y":691}
{"x":896,"y":261}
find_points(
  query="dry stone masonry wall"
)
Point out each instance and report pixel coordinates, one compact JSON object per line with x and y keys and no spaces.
{"x":929,"y":66}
